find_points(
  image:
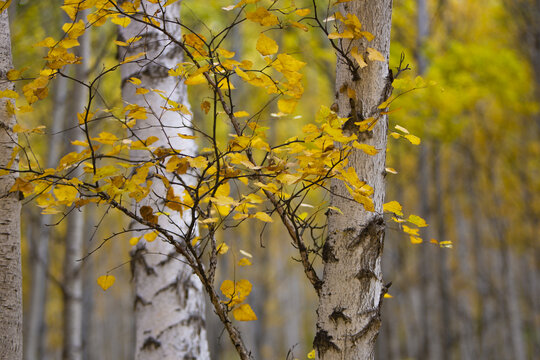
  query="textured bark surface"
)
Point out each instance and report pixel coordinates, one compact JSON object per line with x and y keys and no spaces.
{"x":11,"y":346}
{"x":351,"y":295}
{"x":169,"y":304}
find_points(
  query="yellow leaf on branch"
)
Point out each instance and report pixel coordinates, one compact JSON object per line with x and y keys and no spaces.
{"x":266,"y":46}
{"x":244,"y":313}
{"x":105,"y":281}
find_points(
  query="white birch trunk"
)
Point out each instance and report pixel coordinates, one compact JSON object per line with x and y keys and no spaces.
{"x":169,"y":304}
{"x":351,"y":294}
{"x":11,"y":345}
{"x":74,"y":238}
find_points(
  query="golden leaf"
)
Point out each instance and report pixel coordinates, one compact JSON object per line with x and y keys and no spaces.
{"x":105,"y":281}
{"x":266,"y":46}
{"x":244,"y":313}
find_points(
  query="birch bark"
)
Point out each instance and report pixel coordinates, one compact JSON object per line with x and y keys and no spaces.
{"x":169,"y":304}
{"x":11,"y":346}
{"x":351,"y":294}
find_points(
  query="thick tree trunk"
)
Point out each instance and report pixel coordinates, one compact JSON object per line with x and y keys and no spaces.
{"x":11,"y":345}
{"x":169,"y":305}
{"x":351,"y":294}
{"x":74,"y":238}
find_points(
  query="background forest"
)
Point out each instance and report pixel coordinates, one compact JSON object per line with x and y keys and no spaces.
{"x":470,"y":290}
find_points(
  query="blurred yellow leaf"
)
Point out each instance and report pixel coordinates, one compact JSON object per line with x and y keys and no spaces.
{"x":263,"y":217}
{"x":105,"y":281}
{"x":417,"y":220}
{"x":244,"y":262}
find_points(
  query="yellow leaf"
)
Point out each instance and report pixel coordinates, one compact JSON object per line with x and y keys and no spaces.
{"x":347,"y":34}
{"x":141,"y":91}
{"x":105,"y":281}
{"x":122,"y":21}
{"x":287,"y":106}
{"x":393,"y":207}
{"x":65,"y":194}
{"x":417,"y":220}
{"x":222,"y":248}
{"x":411,"y":231}
{"x":244,"y":313}
{"x":368,"y":149}
{"x":415,"y":240}
{"x":266,"y":46}
{"x":133,"y":57}
{"x":133,"y":241}
{"x":302,"y":12}
{"x":402,"y":129}
{"x":225,"y":53}
{"x":391,"y":170}
{"x":242,"y":113}
{"x":262,"y":17}
{"x":195,"y":80}
{"x":9,"y":94}
{"x":150,"y":236}
{"x":375,"y":55}
{"x":244,"y":262}
{"x":415,"y":140}
{"x":358,"y":57}
{"x":388,"y":296}
{"x":298,"y":25}
{"x":311,"y":354}
{"x":135,"y":81}
{"x":74,"y":30}
{"x":263,"y":216}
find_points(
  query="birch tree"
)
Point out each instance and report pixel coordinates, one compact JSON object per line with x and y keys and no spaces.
{"x":169,"y":304}
{"x":349,"y":314}
{"x":11,"y":345}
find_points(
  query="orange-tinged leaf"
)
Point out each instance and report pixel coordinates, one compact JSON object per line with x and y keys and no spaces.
{"x":105,"y":281}
{"x":244,"y":313}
